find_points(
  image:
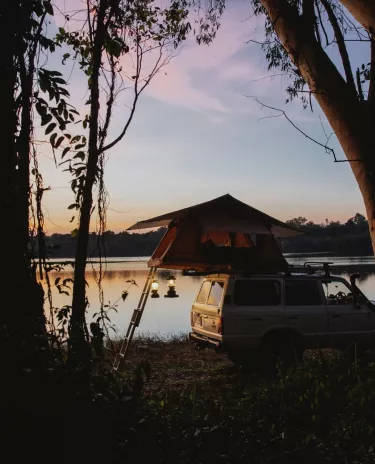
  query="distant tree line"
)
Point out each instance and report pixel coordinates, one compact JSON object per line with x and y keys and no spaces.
{"x":121,"y":244}
{"x":348,"y":238}
{"x":351,"y":238}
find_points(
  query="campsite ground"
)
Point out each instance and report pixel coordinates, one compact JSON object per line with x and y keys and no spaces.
{"x":199,"y":407}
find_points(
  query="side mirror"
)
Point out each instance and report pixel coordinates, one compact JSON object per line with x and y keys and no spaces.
{"x":353,"y":279}
{"x":356,"y":296}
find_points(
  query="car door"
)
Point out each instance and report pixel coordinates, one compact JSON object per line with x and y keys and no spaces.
{"x":256,"y":306}
{"x":347,"y":321}
{"x":305,"y":310}
{"x":206,"y":311}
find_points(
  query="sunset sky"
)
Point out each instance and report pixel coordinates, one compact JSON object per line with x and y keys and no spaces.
{"x":196,"y":136}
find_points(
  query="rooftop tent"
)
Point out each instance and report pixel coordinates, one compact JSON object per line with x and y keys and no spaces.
{"x":222,"y":234}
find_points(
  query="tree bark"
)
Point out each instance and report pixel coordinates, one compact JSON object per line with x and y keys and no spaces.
{"x":349,"y":118}
{"x":78,"y":340}
{"x":363,"y":11}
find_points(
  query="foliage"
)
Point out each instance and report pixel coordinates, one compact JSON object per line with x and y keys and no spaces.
{"x":325,"y":27}
{"x":197,"y":407}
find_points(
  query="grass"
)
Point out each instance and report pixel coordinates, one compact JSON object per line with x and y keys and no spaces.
{"x":196,"y":406}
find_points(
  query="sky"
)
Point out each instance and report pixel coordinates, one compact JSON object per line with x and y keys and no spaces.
{"x":198,"y":133}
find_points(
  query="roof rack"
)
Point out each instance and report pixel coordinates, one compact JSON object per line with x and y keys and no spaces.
{"x":312,"y":267}
{"x":309,"y":267}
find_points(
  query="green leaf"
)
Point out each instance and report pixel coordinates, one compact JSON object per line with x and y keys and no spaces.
{"x":75,"y":138}
{"x":74,"y":233}
{"x":65,"y":151}
{"x":50,"y":128}
{"x":124,"y":295}
{"x":62,"y":32}
{"x":53,"y":73}
{"x":81,"y":155}
{"x":72,"y":219}
{"x":48,"y":7}
{"x":46,"y":118}
{"x":114,"y":48}
{"x":52,"y":139}
{"x":80,"y":145}
{"x":73,"y":206}
{"x":58,"y":141}
{"x":59,"y":80}
{"x":41,"y":109}
{"x":57,"y":280}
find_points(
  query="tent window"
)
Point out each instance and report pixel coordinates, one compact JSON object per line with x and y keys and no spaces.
{"x":202,"y":295}
{"x":257,"y":293}
{"x":216,"y":293}
{"x":217,"y":239}
{"x":226,"y":239}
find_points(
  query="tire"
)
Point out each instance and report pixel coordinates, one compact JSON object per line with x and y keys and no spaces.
{"x":282,"y":347}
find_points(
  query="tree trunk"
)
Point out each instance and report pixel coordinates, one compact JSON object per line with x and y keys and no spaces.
{"x":78,"y":340}
{"x":363,"y":11}
{"x":349,"y":118}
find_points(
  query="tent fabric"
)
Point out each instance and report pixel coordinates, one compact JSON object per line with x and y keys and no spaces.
{"x":223,"y":235}
{"x":224,"y":212}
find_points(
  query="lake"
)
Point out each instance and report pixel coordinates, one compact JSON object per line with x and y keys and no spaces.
{"x":172,"y":315}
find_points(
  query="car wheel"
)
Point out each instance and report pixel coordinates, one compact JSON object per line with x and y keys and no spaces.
{"x":285,"y":348}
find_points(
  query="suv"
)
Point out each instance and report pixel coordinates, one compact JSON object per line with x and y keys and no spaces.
{"x":280,"y":314}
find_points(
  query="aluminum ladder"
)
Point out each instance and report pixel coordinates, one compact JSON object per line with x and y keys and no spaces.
{"x":135,"y":320}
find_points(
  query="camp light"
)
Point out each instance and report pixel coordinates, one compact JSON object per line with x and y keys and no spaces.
{"x":154,"y":289}
{"x":171,"y":293}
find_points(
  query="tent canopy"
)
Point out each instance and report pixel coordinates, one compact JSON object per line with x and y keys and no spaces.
{"x":222,"y":213}
{"x":223,"y":234}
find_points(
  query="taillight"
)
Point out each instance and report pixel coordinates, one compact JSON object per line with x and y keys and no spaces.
{"x":220,"y":328}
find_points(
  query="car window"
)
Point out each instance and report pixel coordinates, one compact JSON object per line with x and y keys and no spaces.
{"x":336,"y":292}
{"x":257,"y":293}
{"x":216,"y":293}
{"x":202,"y":295}
{"x":302,"y":293}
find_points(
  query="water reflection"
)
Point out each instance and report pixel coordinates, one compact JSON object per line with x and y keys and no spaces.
{"x":172,"y":315}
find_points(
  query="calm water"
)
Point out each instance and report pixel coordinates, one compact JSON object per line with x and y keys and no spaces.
{"x":164,"y":315}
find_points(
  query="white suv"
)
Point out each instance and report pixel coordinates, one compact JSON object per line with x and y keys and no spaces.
{"x":283,"y":314}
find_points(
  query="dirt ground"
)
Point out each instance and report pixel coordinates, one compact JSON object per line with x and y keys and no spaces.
{"x":177,"y":367}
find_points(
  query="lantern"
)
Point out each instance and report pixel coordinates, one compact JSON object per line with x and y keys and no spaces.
{"x":171,"y":293}
{"x":154,"y":289}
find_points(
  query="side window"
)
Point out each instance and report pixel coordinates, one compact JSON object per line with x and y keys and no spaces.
{"x":302,"y":293}
{"x":202,"y":295}
{"x":257,"y":293}
{"x":216,"y":293}
{"x":337,"y":292}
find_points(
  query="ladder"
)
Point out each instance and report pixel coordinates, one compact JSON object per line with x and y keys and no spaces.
{"x":135,"y":320}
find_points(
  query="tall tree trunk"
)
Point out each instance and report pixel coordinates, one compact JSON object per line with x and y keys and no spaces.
{"x":78,"y":340}
{"x":350,"y":119}
{"x":363,"y":11}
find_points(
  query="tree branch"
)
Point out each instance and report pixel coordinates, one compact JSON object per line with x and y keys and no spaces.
{"x":341,"y":44}
{"x":371,"y":89}
{"x":111,"y":99}
{"x":363,"y":11}
{"x":137,"y":90}
{"x":321,"y":23}
{"x":282,"y":113}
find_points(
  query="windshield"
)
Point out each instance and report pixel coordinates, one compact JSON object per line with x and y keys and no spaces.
{"x":340,"y":292}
